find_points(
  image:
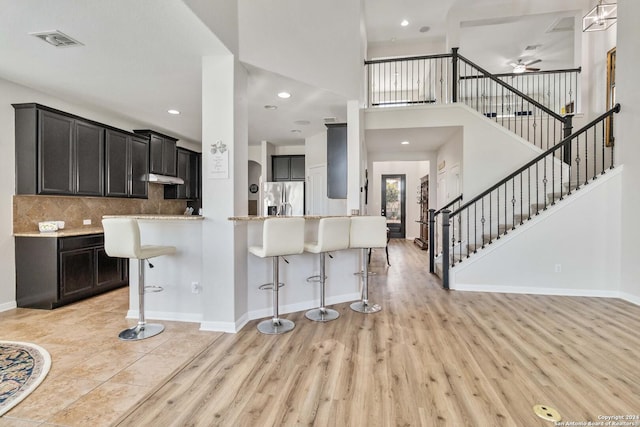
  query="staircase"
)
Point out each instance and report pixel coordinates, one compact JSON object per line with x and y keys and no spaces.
{"x":528,"y":192}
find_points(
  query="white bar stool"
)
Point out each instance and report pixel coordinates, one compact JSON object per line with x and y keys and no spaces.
{"x":367,"y":232}
{"x":333,"y":235}
{"x":122,"y":240}
{"x":280,"y":236}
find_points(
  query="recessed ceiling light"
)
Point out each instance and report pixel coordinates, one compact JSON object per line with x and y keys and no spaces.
{"x":404,"y":23}
{"x":284,"y":95}
{"x":270,"y":107}
{"x":174,"y":112}
{"x":405,"y":143}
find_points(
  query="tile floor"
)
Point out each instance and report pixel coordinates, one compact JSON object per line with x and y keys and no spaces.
{"x":95,"y":378}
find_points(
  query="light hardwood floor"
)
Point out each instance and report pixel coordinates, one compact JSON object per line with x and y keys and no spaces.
{"x":429,"y":358}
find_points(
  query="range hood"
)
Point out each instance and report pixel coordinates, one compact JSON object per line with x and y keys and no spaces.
{"x":164,"y":179}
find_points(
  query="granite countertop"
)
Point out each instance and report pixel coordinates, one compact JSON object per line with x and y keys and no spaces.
{"x":262,"y":218}
{"x":158,"y":217}
{"x":67,"y":232}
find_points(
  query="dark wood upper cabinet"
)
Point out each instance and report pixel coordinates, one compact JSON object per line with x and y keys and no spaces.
{"x":127,"y":165}
{"x":162,"y":152}
{"x":89,"y":156}
{"x":55,"y":153}
{"x":188,"y":168}
{"x":117,"y":160}
{"x":288,"y":168}
{"x":60,"y":153}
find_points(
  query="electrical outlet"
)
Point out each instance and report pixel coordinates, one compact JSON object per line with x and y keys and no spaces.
{"x":86,"y":222}
{"x":558,"y":268}
{"x":195,"y":287}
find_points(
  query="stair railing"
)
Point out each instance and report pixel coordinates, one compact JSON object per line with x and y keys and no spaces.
{"x":435,"y":248}
{"x":450,"y":77}
{"x":506,"y":105}
{"x":587,"y":153}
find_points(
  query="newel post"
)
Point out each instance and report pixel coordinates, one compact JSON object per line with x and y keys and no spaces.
{"x":432,"y":242}
{"x":445,"y":248}
{"x":566,"y":132}
{"x":454,"y":78}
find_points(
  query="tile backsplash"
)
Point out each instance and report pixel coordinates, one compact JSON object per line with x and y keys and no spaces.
{"x":29,"y":210}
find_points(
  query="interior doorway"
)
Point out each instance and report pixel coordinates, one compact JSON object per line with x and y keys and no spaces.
{"x":393,"y":204}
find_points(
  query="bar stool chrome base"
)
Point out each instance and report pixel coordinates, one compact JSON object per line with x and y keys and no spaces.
{"x":322,"y":314}
{"x":140,"y":332}
{"x":364,"y":307}
{"x":276,"y":326}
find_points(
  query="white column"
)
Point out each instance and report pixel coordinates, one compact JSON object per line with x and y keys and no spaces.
{"x":224,"y":246}
{"x":355,"y":170}
{"x":627,"y":127}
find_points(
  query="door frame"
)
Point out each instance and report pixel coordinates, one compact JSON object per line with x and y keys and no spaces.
{"x":403,"y":203}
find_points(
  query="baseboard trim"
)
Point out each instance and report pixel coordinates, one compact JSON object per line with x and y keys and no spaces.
{"x":228,"y":327}
{"x":8,"y":306}
{"x":166,"y":315}
{"x":593,"y":293}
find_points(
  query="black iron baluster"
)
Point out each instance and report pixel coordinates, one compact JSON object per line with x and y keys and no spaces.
{"x":595,"y":138}
{"x":475,"y":227}
{"x":468,"y":237}
{"x":603,"y":141}
{"x":432,"y":246}
{"x":586,"y":158}
{"x":445,"y":249}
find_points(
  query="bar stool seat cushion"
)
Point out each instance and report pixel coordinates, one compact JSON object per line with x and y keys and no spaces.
{"x":333,"y":235}
{"x":368,"y":232}
{"x":280,"y":236}
{"x":122,"y":240}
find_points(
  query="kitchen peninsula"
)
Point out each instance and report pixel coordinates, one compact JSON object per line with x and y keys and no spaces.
{"x":179,"y":275}
{"x":298,"y":294}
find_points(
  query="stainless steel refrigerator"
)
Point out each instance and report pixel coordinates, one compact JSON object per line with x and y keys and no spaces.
{"x":283,"y":198}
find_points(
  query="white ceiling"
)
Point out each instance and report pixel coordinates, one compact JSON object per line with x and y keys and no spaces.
{"x":142,"y":57}
{"x":420,"y":139}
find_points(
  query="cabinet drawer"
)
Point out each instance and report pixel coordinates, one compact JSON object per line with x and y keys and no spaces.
{"x":79,"y":242}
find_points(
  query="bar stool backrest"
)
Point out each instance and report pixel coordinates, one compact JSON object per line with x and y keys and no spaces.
{"x":333,"y":234}
{"x":121,"y":237}
{"x":283,"y":236}
{"x":368,"y":232}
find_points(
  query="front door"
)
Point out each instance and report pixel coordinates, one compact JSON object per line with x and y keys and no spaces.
{"x":392,"y":202}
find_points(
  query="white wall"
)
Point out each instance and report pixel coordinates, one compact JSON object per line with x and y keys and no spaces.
{"x":581,"y":234}
{"x":416,"y":47}
{"x":449,"y":155}
{"x":307,"y":36}
{"x":413,"y":171}
{"x":316,"y":155}
{"x":593,"y":78}
{"x":484,"y":142}
{"x":628,"y":149}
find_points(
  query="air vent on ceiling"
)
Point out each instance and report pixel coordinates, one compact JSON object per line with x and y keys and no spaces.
{"x":57,"y":39}
{"x":329,"y":119}
{"x":532,"y":47}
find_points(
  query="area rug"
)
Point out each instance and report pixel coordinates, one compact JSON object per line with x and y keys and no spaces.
{"x":23,"y":366}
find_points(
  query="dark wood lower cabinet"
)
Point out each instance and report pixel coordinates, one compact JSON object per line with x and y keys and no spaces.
{"x":54,"y":271}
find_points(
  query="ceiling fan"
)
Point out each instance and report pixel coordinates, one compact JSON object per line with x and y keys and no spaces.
{"x":521,"y":67}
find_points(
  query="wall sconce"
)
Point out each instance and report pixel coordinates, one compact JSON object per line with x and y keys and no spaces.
{"x":600,"y":17}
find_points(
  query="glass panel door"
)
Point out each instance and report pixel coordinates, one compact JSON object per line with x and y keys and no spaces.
{"x":392,"y":202}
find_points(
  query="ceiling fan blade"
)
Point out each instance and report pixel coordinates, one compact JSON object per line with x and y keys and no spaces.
{"x":531,"y":69}
{"x":533,"y":62}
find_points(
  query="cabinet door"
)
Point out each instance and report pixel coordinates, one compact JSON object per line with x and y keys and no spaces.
{"x":169,"y":157}
{"x":116,"y":164}
{"x":281,"y":168}
{"x":109,"y":271}
{"x":183,"y":172}
{"x":337,"y":161}
{"x":55,"y":153}
{"x":297,"y":168}
{"x":193,"y":191}
{"x":139,"y":167}
{"x":156,"y":147}
{"x":76,"y":272}
{"x":89,"y":159}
